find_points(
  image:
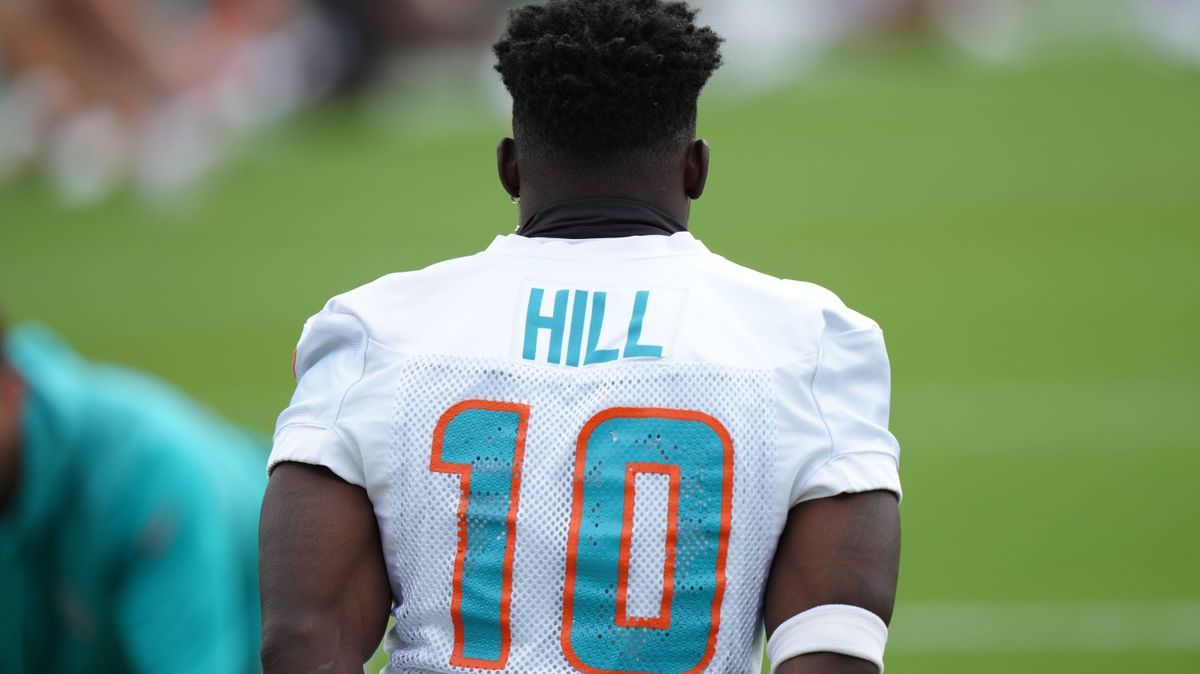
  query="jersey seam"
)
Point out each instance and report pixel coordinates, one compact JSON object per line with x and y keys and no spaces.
{"x":361,"y":376}
{"x":335,"y":310}
{"x":874,"y":327}
{"x":319,"y":427}
{"x":303,"y":424}
{"x":833,"y":464}
{"x":812,"y":387}
{"x":370,"y":340}
{"x":388,"y":347}
{"x":868,"y":452}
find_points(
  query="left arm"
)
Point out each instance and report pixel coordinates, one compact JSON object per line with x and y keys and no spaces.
{"x":833,"y":582}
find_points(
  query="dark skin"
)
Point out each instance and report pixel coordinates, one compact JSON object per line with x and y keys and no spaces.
{"x":325,"y":589}
{"x":11,"y":405}
{"x":323,"y":581}
{"x":840,"y":550}
{"x":670,"y":179}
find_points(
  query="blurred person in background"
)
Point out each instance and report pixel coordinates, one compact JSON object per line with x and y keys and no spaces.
{"x":128,"y":521}
{"x":155,"y":92}
{"x":371,"y":34}
{"x":770,"y":41}
{"x":103,"y":91}
{"x":1174,"y":25}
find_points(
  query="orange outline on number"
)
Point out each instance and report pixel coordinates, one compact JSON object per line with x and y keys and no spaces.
{"x":577,"y":519}
{"x":464,"y":474}
{"x":661,"y":621}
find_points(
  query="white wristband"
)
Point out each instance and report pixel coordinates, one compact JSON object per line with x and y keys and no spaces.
{"x":835,"y":628}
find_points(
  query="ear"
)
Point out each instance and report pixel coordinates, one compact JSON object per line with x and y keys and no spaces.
{"x":506,"y":164}
{"x":695,"y":173}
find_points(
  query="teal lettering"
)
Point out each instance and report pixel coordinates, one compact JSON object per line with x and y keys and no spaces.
{"x":556,"y":323}
{"x":575,"y":341}
{"x":603,"y":355}
{"x":632,"y":348}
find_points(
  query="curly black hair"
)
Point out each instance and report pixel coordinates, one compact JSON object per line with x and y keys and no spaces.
{"x":592,"y":77}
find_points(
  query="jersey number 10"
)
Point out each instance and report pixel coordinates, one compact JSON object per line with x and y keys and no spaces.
{"x":483,"y":443}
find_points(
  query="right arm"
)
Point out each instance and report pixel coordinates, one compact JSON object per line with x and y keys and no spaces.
{"x":324,"y":583}
{"x":322,"y":575}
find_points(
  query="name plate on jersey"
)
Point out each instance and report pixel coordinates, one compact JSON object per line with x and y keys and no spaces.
{"x":576,"y":326}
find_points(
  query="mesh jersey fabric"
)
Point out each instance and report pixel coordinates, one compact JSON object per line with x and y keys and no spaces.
{"x":705,"y":395}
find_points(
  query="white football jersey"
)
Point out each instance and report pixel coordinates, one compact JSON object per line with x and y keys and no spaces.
{"x":581,"y":454}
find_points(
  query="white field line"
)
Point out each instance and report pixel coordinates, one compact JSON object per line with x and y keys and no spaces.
{"x":1052,"y":627}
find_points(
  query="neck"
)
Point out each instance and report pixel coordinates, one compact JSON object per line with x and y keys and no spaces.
{"x":658,"y":176}
{"x":535,"y":202}
{"x":600,"y":219}
{"x":546,"y":183}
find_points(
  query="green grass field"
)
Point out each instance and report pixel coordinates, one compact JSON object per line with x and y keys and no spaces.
{"x":1028,"y":238}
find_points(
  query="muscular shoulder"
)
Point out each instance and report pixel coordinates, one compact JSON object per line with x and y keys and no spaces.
{"x":770,"y":319}
{"x":798,"y":296}
{"x":390,"y":302}
{"x":462,"y":306}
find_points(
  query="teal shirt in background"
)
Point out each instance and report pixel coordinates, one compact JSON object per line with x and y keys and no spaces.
{"x":131,"y":542}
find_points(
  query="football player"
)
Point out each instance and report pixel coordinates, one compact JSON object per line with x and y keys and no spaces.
{"x":595,"y":446}
{"x":128,"y":522}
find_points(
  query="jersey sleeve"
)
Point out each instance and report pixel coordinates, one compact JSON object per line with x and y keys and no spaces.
{"x":330,"y":362}
{"x":851,"y":391}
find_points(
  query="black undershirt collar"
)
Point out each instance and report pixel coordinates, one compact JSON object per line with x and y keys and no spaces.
{"x":600,"y":219}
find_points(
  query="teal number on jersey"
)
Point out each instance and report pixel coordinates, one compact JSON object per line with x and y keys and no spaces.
{"x":483,"y":443}
{"x":695,"y":453}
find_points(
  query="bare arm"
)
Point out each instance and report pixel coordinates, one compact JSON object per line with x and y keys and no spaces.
{"x":841,"y":550}
{"x":324,"y":584}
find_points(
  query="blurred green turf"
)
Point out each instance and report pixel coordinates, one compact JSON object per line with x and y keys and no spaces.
{"x":1029,"y":239}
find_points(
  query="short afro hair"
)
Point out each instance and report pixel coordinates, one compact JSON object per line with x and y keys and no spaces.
{"x":601,"y":77}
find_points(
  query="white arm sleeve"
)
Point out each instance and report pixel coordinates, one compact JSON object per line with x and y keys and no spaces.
{"x":851,"y":389}
{"x":330,"y":361}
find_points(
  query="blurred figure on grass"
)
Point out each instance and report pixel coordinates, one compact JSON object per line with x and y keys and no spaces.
{"x":152,"y":92}
{"x":96,"y":94}
{"x":770,"y":41}
{"x":128,"y":521}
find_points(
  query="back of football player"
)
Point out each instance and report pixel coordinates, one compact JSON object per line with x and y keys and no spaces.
{"x":595,"y":446}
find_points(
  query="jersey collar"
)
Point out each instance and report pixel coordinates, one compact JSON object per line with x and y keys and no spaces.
{"x":623,"y":248}
{"x":604,"y":229}
{"x":599,"y":219}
